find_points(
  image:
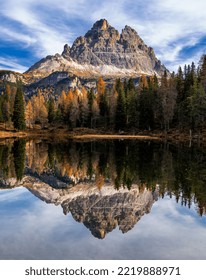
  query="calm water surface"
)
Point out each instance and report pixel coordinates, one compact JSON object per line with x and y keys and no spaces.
{"x":102,"y":200}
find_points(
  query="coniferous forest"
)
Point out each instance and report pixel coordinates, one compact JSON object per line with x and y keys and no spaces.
{"x":173,"y":101}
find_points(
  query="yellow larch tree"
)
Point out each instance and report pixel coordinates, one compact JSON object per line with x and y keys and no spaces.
{"x":101,"y":86}
{"x":29,"y":114}
{"x":143,"y":82}
{"x":62,"y":102}
{"x":40,"y":110}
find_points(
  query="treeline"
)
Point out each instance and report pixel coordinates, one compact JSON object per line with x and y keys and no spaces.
{"x":173,"y":101}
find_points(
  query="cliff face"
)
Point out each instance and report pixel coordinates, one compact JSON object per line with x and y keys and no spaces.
{"x":103,"y":45}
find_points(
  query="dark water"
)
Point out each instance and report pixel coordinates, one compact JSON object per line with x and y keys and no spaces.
{"x":102,"y":200}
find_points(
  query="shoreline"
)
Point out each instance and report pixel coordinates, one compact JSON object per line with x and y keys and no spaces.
{"x":76,"y":136}
{"x":90,"y":134}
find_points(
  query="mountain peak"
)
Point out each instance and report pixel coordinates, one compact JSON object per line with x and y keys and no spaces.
{"x":101,"y":30}
{"x":103,"y":51}
{"x":101,"y":24}
{"x":129,"y":28}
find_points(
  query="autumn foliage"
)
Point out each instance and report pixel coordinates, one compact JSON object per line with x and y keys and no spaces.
{"x":173,"y":100}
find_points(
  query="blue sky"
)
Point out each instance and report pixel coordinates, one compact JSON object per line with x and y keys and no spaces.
{"x":33,"y":29}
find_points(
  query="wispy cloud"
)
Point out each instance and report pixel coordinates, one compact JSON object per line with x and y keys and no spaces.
{"x":11,"y":35}
{"x":169,"y":26}
{"x":43,"y":37}
{"x":11,"y":63}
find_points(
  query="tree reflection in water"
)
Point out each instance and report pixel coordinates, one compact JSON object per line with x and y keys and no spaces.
{"x":158,"y":167}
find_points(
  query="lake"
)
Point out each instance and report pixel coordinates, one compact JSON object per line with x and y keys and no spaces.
{"x":120,"y":199}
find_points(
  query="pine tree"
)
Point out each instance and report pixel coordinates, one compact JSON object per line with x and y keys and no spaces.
{"x":146,"y":104}
{"x":112,"y":102}
{"x":168,"y":94}
{"x":180,"y":108}
{"x":130,"y":85}
{"x":90,"y":98}
{"x":146,"y":111}
{"x":102,"y":102}
{"x":196,"y":105}
{"x":103,"y":109}
{"x":203,"y":71}
{"x":19,"y":111}
{"x":1,"y":113}
{"x":120,"y":118}
{"x":51,"y":111}
{"x":129,"y":90}
{"x":156,"y":106}
{"x":132,"y":109}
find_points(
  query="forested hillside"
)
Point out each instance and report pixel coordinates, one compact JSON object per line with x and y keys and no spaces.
{"x":172,"y":101}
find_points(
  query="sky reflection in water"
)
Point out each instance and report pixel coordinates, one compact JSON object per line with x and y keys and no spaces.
{"x":32,"y":229}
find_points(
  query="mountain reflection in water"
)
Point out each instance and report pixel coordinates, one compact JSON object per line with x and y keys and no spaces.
{"x":105,"y":184}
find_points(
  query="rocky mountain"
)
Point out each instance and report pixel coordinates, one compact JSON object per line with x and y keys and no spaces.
{"x":10,"y":76}
{"x":103,"y":51}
